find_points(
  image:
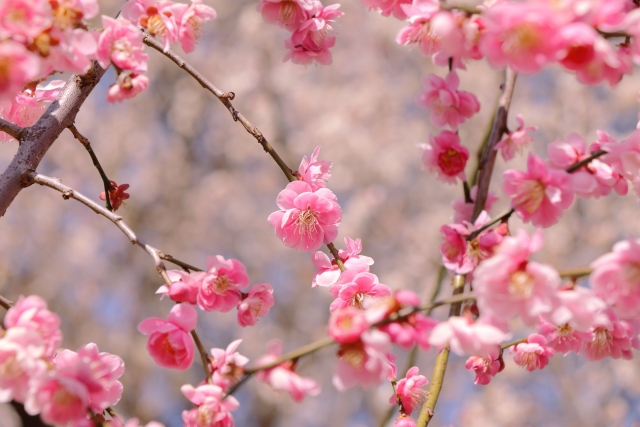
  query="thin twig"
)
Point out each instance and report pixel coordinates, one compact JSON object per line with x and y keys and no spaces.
{"x":575,"y":273}
{"x":512,"y":343}
{"x":5,"y":303}
{"x":203,"y":356}
{"x":105,"y":180}
{"x":574,"y":167}
{"x":11,"y":129}
{"x":175,"y":261}
{"x":502,"y":217}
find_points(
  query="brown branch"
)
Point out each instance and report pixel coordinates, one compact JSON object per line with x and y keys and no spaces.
{"x":512,"y":343}
{"x":575,"y":273}
{"x":574,"y":167}
{"x":175,"y":261}
{"x":37,"y":139}
{"x":105,"y":180}
{"x":11,"y":129}
{"x":204,"y":356}
{"x":5,"y":303}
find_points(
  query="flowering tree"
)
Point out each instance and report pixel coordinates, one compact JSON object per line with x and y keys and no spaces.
{"x":504,"y":307}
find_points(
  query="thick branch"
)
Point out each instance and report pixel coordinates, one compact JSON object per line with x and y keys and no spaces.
{"x":11,"y":129}
{"x":37,"y":139}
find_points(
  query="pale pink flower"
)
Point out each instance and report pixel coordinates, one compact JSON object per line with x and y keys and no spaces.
{"x":533,"y":353}
{"x":212,"y":407}
{"x":448,"y":105}
{"x":72,"y":51}
{"x":189,"y":19}
{"x":404,"y":421}
{"x":464,"y":336}
{"x":306,"y":219}
{"x":289,"y":14}
{"x":328,"y":273}
{"x":58,"y":399}
{"x":463,"y":210}
{"x":255,"y":304}
{"x":388,"y":7}
{"x":315,"y":172}
{"x":612,"y":337}
{"x":347,"y":324}
{"x":508,"y":285}
{"x":409,"y":390}
{"x":539,"y":195}
{"x":70,"y":13}
{"x":411,"y":330}
{"x":485,"y":367}
{"x":155,"y":16}
{"x":563,"y":338}
{"x":419,"y":30}
{"x":21,"y":352}
{"x":99,"y":372}
{"x":184,"y":286}
{"x":227,"y":365}
{"x":623,"y":157}
{"x":578,"y":307}
{"x":445,"y":157}
{"x":364,"y":363}
{"x":521,"y":35}
{"x":359,"y":292}
{"x":311,"y":41}
{"x":616,"y":277}
{"x":23,"y":20}
{"x":121,"y":43}
{"x":127,"y":86}
{"x":283,"y":377}
{"x":515,"y":141}
{"x":31,"y":312}
{"x":17,"y":67}
{"x":170,"y":344}
{"x":220,"y":288}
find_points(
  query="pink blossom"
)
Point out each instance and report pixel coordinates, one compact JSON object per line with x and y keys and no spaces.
{"x":283,"y":377}
{"x":464,"y":336}
{"x":388,"y":7}
{"x":563,"y":338}
{"x":533,"y":353}
{"x":256,"y":304}
{"x":612,"y":337}
{"x":419,"y":30}
{"x":69,"y":50}
{"x":127,"y":86}
{"x":411,"y":330}
{"x":69,"y":13}
{"x":347,"y":324}
{"x":328,"y":273}
{"x":579,"y":307}
{"x":515,"y":141}
{"x":121,"y":43}
{"x":539,"y":195}
{"x":23,"y":20}
{"x":17,"y":67}
{"x":212,"y":407}
{"x":227,"y":365}
{"x":220,"y":288}
{"x":445,"y":157}
{"x":189,"y":19}
{"x":58,"y":399}
{"x":358,"y":292}
{"x":616,"y":276}
{"x":21,"y":352}
{"x":155,"y":16}
{"x":507,"y":284}
{"x":364,"y":363}
{"x":184,"y":286}
{"x":623,"y":157}
{"x":485,"y":367}
{"x":306,"y":219}
{"x":289,"y":14}
{"x":448,"y":105}
{"x":463,"y":210}
{"x":133,"y":422}
{"x":521,"y":35}
{"x":409,"y":391}
{"x":117,"y":194}
{"x":315,"y":172}
{"x":311,"y":41}
{"x":404,"y":421}
{"x":99,"y":372}
{"x":170,"y":345}
{"x":31,"y":312}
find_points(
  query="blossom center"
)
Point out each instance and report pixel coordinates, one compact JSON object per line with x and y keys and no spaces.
{"x":529,"y":195}
{"x":521,"y":285}
{"x":62,"y":398}
{"x":358,"y":300}
{"x":353,"y":354}
{"x":205,"y":416}
{"x":66,"y":16}
{"x":565,"y":332}
{"x":155,"y":25}
{"x":5,"y":69}
{"x":287,"y":11}
{"x":451,"y":162}
{"x":167,"y":347}
{"x":123,"y":47}
{"x":222,"y":284}
{"x":522,"y":38}
{"x":10,"y":368}
{"x":602,"y":338}
{"x":631,"y":274}
{"x":307,"y":223}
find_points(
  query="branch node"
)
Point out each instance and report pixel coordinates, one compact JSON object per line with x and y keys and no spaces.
{"x":228,"y":95}
{"x":67,"y":194}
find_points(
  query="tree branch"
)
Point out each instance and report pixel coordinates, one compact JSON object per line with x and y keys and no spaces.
{"x":11,"y":129}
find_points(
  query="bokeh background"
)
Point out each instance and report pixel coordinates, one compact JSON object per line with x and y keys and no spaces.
{"x":201,"y":186}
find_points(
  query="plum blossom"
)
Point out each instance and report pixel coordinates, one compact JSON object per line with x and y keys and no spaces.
{"x":533,"y":353}
{"x":212,"y":407}
{"x":184,"y":286}
{"x":359,"y":292}
{"x":311,"y":41}
{"x":389,"y":7}
{"x":23,"y":20}
{"x":283,"y":377}
{"x":448,"y":105}
{"x":17,"y":67}
{"x":445,"y":157}
{"x":579,"y":307}
{"x":507,"y":284}
{"x":306,"y":219}
{"x":155,"y":16}
{"x":31,"y":313}
{"x":463,"y":210}
{"x":515,"y":141}
{"x":59,"y":399}
{"x":227,"y":365}
{"x":127,"y":86}
{"x":315,"y":172}
{"x":328,"y":273}
{"x":289,"y":14}
{"x":255,"y":304}
{"x":121,"y":43}
{"x":409,"y":391}
{"x":170,"y":344}
{"x":404,"y":421}
{"x":21,"y":351}
{"x":539,"y":195}
{"x":563,"y":338}
{"x":464,"y":336}
{"x":410,"y":330}
{"x":189,"y":18}
{"x":347,"y":324}
{"x":364,"y":362}
{"x":221,"y":286}
{"x":117,"y":194}
{"x":485,"y":367}
{"x":419,"y":30}
{"x":612,"y":337}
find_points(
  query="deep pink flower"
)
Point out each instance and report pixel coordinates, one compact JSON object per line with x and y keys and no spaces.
{"x":227,"y":365}
{"x":563,"y":338}
{"x":612,"y":337}
{"x":306,"y":219}
{"x":328,"y":273}
{"x":315,"y":172}
{"x":155,"y":16}
{"x":283,"y":377}
{"x":17,"y":67}
{"x":358,"y":292}
{"x":311,"y":41}
{"x":170,"y":345}
{"x":448,"y":105}
{"x":289,"y":14}
{"x":364,"y":362}
{"x":404,"y":421}
{"x":409,"y":390}
{"x":121,"y":43}
{"x":411,"y":330}
{"x":31,"y":312}
{"x":463,"y":210}
{"x":184,"y":286}
{"x":117,"y":195}
{"x":58,"y":399}
{"x":539,"y":195}
{"x":508,"y":285}
{"x":347,"y":324}
{"x":221,"y":286}
{"x":464,"y":336}
{"x":485,"y":367}
{"x":388,"y":7}
{"x":189,"y":18}
{"x":127,"y":86}
{"x":533,"y":353}
{"x":21,"y":351}
{"x":23,"y":20}
{"x":255,"y":304}
{"x":212,"y":407}
{"x":419,"y":30}
{"x":445,"y":157}
{"x":515,"y":141}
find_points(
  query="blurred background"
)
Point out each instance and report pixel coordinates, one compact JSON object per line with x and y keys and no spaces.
{"x":201,"y":186}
